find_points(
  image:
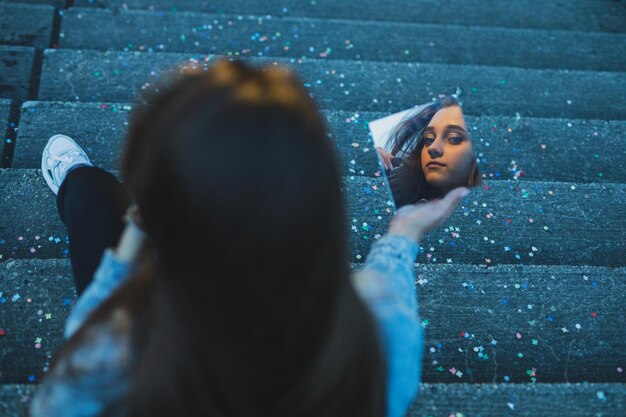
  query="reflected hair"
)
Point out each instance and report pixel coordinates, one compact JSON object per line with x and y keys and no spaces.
{"x":408,"y":183}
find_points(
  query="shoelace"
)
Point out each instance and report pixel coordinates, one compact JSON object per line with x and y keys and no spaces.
{"x":63,"y":161}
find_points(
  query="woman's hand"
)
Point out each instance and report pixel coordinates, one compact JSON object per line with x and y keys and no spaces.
{"x":132,"y":214}
{"x":415,"y":220}
{"x":385,"y":157}
{"x":133,"y":237}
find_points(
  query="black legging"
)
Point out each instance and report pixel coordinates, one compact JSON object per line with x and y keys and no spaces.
{"x":91,"y":203}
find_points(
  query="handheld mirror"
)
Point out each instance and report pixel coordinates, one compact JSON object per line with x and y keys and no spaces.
{"x":425,"y":151}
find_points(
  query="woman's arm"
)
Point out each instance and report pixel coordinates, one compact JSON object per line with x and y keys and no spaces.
{"x":387,"y":285}
{"x":115,"y":267}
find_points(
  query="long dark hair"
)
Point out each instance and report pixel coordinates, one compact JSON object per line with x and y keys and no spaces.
{"x":246,"y":307}
{"x":407,"y":182}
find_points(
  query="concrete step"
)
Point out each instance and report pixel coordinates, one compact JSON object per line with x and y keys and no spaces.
{"x":590,"y":15}
{"x":502,"y":222}
{"x":8,"y":129}
{"x":101,"y":127}
{"x":70,"y":75}
{"x":5,"y":108}
{"x":16,"y":64}
{"x":507,"y":147}
{"x":106,"y":29}
{"x":505,"y":323}
{"x":36,"y":298}
{"x":516,"y":323}
{"x":14,"y":399}
{"x":537,"y":400}
{"x":486,"y":400}
{"x":26,"y":25}
{"x":31,"y":227}
{"x":59,"y":4}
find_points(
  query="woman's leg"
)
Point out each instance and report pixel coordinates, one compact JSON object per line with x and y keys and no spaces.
{"x":91,"y":203}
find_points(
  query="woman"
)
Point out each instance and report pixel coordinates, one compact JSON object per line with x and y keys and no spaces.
{"x":241,"y":302}
{"x":431,"y":154}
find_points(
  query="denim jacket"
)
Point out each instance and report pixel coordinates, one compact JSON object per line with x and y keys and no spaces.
{"x":386,"y":284}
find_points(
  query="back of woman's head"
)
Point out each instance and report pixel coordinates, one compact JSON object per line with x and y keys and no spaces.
{"x":233,"y":166}
{"x":250,"y":310}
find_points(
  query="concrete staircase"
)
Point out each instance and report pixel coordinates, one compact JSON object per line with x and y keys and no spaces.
{"x":522,"y":291}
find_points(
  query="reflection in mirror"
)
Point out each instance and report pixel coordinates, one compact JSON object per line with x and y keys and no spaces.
{"x":426,"y":151}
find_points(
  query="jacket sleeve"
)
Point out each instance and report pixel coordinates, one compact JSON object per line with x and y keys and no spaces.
{"x":387,"y":285}
{"x":91,"y":381}
{"x":111,"y":273}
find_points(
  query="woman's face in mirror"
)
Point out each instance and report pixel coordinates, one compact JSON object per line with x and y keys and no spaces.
{"x":447,"y":142}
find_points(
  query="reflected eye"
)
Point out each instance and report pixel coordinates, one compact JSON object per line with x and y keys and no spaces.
{"x":428,"y":141}
{"x":456,"y":139}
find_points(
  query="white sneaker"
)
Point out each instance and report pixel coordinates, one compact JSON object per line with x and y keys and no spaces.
{"x":60,"y":155}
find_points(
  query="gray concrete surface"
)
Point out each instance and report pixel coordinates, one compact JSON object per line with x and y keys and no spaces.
{"x":31,"y":227}
{"x":340,"y":39}
{"x":486,"y":400}
{"x":489,"y":324}
{"x":527,"y":148}
{"x":16,"y":64}
{"x":5,"y":107}
{"x":26,"y":25}
{"x":589,"y":15}
{"x":503,"y":222}
{"x":37,"y":296}
{"x":86,"y":75}
{"x":56,"y":3}
{"x":496,"y":400}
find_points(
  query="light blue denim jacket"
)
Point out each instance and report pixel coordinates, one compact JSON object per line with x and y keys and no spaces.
{"x":386,"y":284}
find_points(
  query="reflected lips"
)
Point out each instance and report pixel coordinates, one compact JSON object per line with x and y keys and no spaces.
{"x":434,"y":165}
